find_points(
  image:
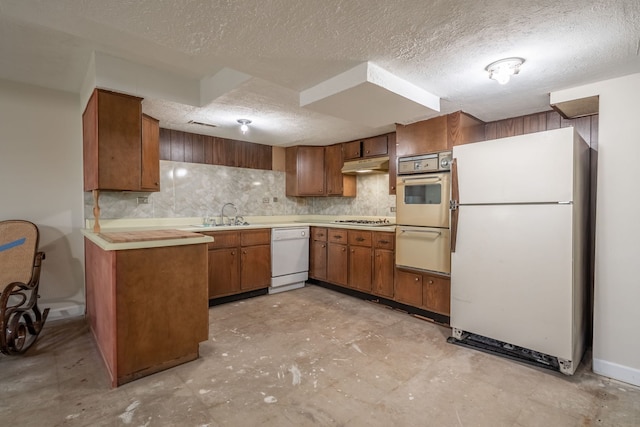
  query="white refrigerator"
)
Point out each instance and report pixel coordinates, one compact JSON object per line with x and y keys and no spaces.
{"x":519,"y":235}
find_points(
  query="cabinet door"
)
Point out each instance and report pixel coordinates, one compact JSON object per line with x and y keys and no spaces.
{"x":255,"y":267}
{"x":422,"y":137}
{"x":310,"y":171}
{"x":360,"y":268}
{"x":150,"y":179}
{"x":224,"y":272}
{"x":333,"y":170}
{"x":383,"y":269}
{"x":337,"y":264}
{"x":318,"y":260}
{"x":376,"y":146}
{"x":352,"y":150}
{"x":408,"y":289}
{"x":112,"y":129}
{"x":437,"y":294}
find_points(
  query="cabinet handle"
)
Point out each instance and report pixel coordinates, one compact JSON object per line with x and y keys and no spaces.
{"x":384,"y":242}
{"x":244,"y":252}
{"x":344,"y":249}
{"x":416,"y":279}
{"x":337,"y":237}
{"x":359,"y":239}
{"x":431,"y":282}
{"x":323,"y":246}
{"x":233,"y":253}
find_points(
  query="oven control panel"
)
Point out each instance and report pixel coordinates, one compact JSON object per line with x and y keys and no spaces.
{"x":425,"y":163}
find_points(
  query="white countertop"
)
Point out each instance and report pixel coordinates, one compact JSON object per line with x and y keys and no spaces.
{"x":194,"y":225}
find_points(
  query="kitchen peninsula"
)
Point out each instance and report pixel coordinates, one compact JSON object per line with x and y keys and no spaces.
{"x":146,"y":298}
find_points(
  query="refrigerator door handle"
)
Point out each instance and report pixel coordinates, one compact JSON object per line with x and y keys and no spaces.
{"x":453,"y":205}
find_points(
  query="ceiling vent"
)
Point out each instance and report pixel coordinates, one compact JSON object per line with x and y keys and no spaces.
{"x":193,"y":122}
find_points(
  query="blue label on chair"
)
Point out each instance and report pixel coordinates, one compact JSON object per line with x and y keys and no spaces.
{"x":13,"y":244}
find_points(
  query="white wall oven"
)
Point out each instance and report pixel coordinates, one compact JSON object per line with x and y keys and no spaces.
{"x":422,"y":212}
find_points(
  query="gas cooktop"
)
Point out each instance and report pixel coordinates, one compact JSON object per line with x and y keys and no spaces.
{"x":364,"y":222}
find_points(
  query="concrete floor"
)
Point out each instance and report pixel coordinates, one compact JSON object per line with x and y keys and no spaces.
{"x":307,"y":357}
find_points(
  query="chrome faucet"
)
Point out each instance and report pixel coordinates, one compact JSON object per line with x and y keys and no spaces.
{"x":222,"y":215}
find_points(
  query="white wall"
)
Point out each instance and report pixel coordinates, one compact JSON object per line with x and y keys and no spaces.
{"x":41,"y":181}
{"x":616,"y":346}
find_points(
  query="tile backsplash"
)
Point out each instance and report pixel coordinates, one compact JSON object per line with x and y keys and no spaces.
{"x":196,"y":190}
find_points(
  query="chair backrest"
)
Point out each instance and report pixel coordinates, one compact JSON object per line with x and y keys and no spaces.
{"x":18,"y":247}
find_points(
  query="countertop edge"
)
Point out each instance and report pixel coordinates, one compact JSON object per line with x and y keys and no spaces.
{"x":104,"y":245}
{"x":107,"y":246}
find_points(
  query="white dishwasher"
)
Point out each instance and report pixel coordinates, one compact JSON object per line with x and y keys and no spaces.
{"x":289,"y":258}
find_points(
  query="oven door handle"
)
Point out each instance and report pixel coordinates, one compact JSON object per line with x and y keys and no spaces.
{"x":422,"y":179}
{"x":421,"y":231}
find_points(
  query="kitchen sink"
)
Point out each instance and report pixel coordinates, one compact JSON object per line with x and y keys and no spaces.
{"x":218,"y":225}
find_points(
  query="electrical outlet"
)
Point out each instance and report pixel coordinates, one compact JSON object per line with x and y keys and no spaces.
{"x":275,"y":199}
{"x":265,"y":200}
{"x":393,"y":208}
{"x":144,"y":200}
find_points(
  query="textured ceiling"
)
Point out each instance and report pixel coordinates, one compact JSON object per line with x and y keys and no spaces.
{"x":285,"y":47}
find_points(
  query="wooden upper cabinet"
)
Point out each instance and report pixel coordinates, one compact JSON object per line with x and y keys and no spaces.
{"x":112,"y":142}
{"x":369,"y":147}
{"x":337,"y":184}
{"x":150,"y":179}
{"x":375,"y":147}
{"x":422,"y":137}
{"x":305,"y":171}
{"x":438,"y":134}
{"x":463,"y":128}
{"x":352,"y":150}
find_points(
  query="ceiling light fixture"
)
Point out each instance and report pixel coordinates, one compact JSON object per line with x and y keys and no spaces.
{"x":502,"y":70}
{"x":244,"y":125}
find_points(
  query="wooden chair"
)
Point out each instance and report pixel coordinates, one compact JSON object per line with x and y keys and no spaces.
{"x":20,"y":318}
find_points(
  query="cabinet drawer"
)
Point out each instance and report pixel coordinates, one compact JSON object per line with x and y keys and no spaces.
{"x":337,"y":236}
{"x":223,"y":239}
{"x":319,"y":234}
{"x":360,"y":238}
{"x":260,"y":236}
{"x":383,"y":240}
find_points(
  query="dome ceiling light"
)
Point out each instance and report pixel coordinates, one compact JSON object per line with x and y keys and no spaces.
{"x":502,"y":70}
{"x":244,"y":125}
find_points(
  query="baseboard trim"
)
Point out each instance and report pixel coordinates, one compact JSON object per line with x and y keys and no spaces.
{"x":617,"y":372}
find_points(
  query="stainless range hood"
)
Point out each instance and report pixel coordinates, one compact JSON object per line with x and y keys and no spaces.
{"x":374,"y":165}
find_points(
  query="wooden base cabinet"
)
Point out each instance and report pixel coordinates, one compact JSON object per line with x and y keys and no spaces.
{"x":147,"y":308}
{"x":383,"y":264}
{"x":239,"y":261}
{"x":360,"y":260}
{"x":337,"y":257}
{"x":318,"y":253}
{"x":423,"y":290}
